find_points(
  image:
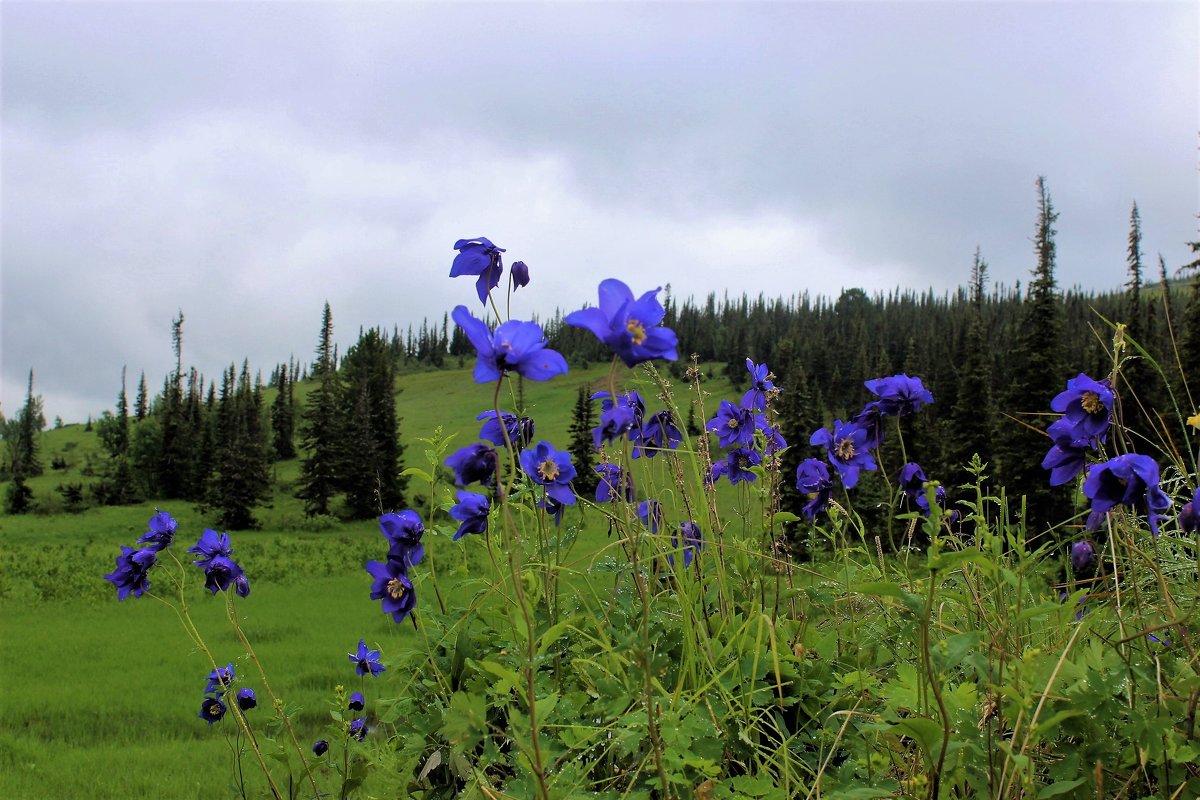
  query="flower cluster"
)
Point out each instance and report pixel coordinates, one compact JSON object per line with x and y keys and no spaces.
{"x":132,"y":575}
{"x":220,"y":570}
{"x":1086,"y":408}
{"x":391,"y":582}
{"x":214,"y":706}
{"x":744,"y":429}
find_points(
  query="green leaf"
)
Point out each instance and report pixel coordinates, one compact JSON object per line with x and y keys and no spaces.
{"x":784,"y":517}
{"x":465,"y":722}
{"x":500,"y":671}
{"x":420,"y":473}
{"x":914,"y":602}
{"x":1059,"y":787}
{"x":554,"y":633}
{"x":925,"y":732}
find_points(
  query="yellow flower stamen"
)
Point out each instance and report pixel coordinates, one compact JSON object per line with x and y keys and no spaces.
{"x":548,"y":470}
{"x":636,"y":331}
{"x":395,"y":589}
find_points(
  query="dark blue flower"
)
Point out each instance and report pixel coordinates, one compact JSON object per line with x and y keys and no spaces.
{"x":519,"y":274}
{"x":519,"y":429}
{"x":899,"y":395}
{"x":365,"y":660}
{"x":472,"y":511}
{"x":1065,"y":461}
{"x":212,"y":710}
{"x":614,"y":484}
{"x":241,"y":586}
{"x":629,"y":327}
{"x":736,"y":466}
{"x":220,"y":573}
{"x":1130,"y":480}
{"x":210,"y":545}
{"x":403,"y":532}
{"x":693,"y":541}
{"x":220,"y":679}
{"x":552,"y":507}
{"x":475,"y":462}
{"x":733,"y":425}
{"x":478,"y":256}
{"x":392,"y":586}
{"x":658,"y":432}
{"x":132,"y":573}
{"x":870,"y":419}
{"x":814,"y":482}
{"x":622,"y":418}
{"x":357,"y":702}
{"x":773,"y":441}
{"x":1189,"y":516}
{"x":1082,"y":556}
{"x":320,"y":747}
{"x":514,"y":346}
{"x":650,"y":512}
{"x":162,"y":531}
{"x":358,"y":729}
{"x":1086,"y":406}
{"x":552,"y":469}
{"x":847,"y":448}
{"x":912,"y":483}
{"x":246,"y":699}
{"x":756,"y":396}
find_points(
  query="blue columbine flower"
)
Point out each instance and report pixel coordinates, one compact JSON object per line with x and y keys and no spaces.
{"x":475,"y":462}
{"x":622,"y":418}
{"x":733,"y":425}
{"x":365,"y":660}
{"x":519,"y":275}
{"x":478,"y":256}
{"x":358,"y":729}
{"x":899,"y":395}
{"x":1086,"y":406}
{"x":650,"y":512}
{"x":553,"y":508}
{"x":814,"y":482}
{"x":658,"y":432}
{"x":628,"y":327}
{"x":472,"y":511}
{"x":246,"y":699}
{"x":212,"y":710}
{"x":393,"y":587}
{"x":211,"y":545}
{"x":693,"y":540}
{"x":736,"y":466}
{"x":220,"y":679}
{"x":519,"y":429}
{"x":773,"y":441}
{"x":1065,"y":460}
{"x":320,"y":747}
{"x":552,"y":469}
{"x":1082,"y":555}
{"x":870,"y":419}
{"x":847,"y":448}
{"x":514,"y":346}
{"x":220,"y":573}
{"x":357,"y":702}
{"x":614,"y":484}
{"x":756,"y":396}
{"x":162,"y":531}
{"x":912,"y":483}
{"x":1189,"y":515}
{"x":1130,"y":480}
{"x":132,"y":573}
{"x":404,"y":531}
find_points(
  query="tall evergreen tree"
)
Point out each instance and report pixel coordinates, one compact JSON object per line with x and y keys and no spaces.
{"x":174,"y":466}
{"x":582,"y":445}
{"x":116,"y":487}
{"x":283,"y":418}
{"x":141,"y":405}
{"x":22,"y":435}
{"x":967,"y":431}
{"x":241,"y":478}
{"x":1135,"y":387}
{"x":371,"y":477}
{"x":321,"y":430}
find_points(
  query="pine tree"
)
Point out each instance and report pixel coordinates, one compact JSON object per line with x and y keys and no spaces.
{"x":21,"y":435}
{"x":321,"y":430}
{"x":967,"y":431}
{"x":1134,"y":389}
{"x":175,"y":457}
{"x":141,"y":406}
{"x":117,"y":485}
{"x":241,"y":478}
{"x":371,"y":477}
{"x":582,"y":445}
{"x":283,"y":418}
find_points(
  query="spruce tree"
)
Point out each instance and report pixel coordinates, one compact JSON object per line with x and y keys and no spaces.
{"x":174,"y":471}
{"x":241,"y":477}
{"x":21,"y":435}
{"x":141,"y":406}
{"x":371,"y":475}
{"x":116,"y":487}
{"x":582,"y":445}
{"x":1134,"y":389}
{"x":321,"y":429}
{"x":967,"y":431}
{"x":283,"y":418}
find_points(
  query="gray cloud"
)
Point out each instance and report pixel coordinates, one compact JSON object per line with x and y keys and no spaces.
{"x":246,"y":162}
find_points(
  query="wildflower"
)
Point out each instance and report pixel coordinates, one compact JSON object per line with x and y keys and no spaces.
{"x":622,"y":418}
{"x":366,"y":661}
{"x":552,"y":507}
{"x":847,"y":449}
{"x":614,"y":484}
{"x":912,"y":483}
{"x":472,"y":511}
{"x":736,"y":466}
{"x":756,"y":396}
{"x":514,"y":346}
{"x":1189,"y":520}
{"x":221,"y":572}
{"x":211,"y":545}
{"x":132,"y":573}
{"x":519,"y":429}
{"x":1130,"y":480}
{"x":358,"y":729}
{"x":1065,"y":460}
{"x":658,"y":432}
{"x":246,"y":699}
{"x":733,"y":425}
{"x":519,"y":274}
{"x":628,"y":327}
{"x":162,"y":531}
{"x":899,"y":395}
{"x":650,"y":512}
{"x":320,"y":747}
{"x":552,"y":469}
{"x":773,"y":441}
{"x":693,"y":540}
{"x":220,"y":679}
{"x":357,"y":701}
{"x":241,"y":586}
{"x":1086,"y":406}
{"x":478,"y":256}
{"x":404,"y":531}
{"x":212,"y":710}
{"x":475,"y":462}
{"x":871,"y":420}
{"x":813,"y":481}
{"x":1082,"y":555}
{"x":393,"y":587}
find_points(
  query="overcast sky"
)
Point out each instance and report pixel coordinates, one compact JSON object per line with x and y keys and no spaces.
{"x":246,"y":162}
